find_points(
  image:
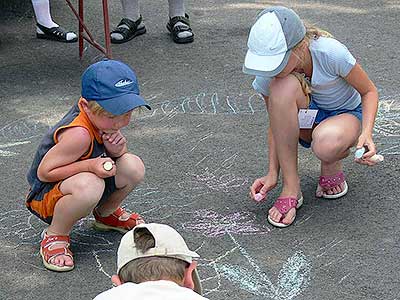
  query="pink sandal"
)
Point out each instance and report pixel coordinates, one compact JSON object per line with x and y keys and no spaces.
{"x":284,"y":204}
{"x":330,"y":181}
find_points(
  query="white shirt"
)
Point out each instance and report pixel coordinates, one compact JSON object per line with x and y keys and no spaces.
{"x":332,"y":61}
{"x":150,"y":290}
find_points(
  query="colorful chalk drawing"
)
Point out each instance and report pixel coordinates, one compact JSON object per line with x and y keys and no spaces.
{"x":207,"y":103}
{"x":387,"y":125}
{"x":293,"y":278}
{"x":20,"y":229}
{"x":213,"y":224}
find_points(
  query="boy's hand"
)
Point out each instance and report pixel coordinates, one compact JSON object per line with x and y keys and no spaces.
{"x":97,"y":167}
{"x":115,"y":143}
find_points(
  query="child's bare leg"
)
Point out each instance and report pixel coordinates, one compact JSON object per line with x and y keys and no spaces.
{"x":130,"y":173}
{"x":81,"y":194}
{"x":331,"y":142}
{"x":286,"y":97}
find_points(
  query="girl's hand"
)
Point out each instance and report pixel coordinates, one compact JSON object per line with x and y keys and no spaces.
{"x":96,"y":166}
{"x":115,"y":143}
{"x":367,"y":142}
{"x":261,"y":186}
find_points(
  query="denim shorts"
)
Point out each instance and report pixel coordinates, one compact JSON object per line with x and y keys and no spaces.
{"x":325,"y":114}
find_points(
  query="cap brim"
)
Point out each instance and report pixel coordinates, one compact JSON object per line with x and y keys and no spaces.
{"x":266,"y":66}
{"x":122,"y":104}
{"x":197,"y":283}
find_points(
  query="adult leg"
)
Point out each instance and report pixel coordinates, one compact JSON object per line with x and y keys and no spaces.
{"x":286,"y":98}
{"x":81,"y":194}
{"x":331,"y":142}
{"x":46,"y":27}
{"x":179,"y":24}
{"x":131,"y":24}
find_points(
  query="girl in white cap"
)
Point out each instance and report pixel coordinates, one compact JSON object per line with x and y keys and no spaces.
{"x":330,"y":107}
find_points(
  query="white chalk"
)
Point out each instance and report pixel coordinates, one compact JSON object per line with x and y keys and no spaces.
{"x":108,"y":166}
{"x":376,"y":158}
{"x":258,"y":197}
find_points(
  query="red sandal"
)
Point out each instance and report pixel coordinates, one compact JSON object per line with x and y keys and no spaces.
{"x":48,"y":253}
{"x":115,"y":222}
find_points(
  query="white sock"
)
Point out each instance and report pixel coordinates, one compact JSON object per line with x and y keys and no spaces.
{"x":42,"y":13}
{"x":131,"y":11}
{"x":177,"y":8}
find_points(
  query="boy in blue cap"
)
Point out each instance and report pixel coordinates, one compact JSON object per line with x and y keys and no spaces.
{"x":83,"y":164}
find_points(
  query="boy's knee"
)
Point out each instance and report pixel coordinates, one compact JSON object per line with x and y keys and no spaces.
{"x":88,"y":186}
{"x":131,"y":168}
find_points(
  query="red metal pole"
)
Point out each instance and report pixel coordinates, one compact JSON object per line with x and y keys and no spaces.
{"x":107,"y":37}
{"x":81,"y":29}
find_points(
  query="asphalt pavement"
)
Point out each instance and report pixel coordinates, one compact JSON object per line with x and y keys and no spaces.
{"x":203,"y":144}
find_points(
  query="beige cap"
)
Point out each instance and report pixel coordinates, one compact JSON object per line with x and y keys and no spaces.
{"x":168,"y":243}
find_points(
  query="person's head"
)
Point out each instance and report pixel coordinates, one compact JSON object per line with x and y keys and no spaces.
{"x":152,"y":252}
{"x":277,"y":42}
{"x":110,"y":93}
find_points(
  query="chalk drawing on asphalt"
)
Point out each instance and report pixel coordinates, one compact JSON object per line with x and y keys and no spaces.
{"x":292,"y":280}
{"x":7,"y":153}
{"x":214,"y":224}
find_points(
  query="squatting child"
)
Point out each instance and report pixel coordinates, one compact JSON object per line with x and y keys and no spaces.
{"x":82,"y":165}
{"x":330,"y":109}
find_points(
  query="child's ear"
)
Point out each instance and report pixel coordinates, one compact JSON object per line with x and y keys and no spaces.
{"x":188,"y":279}
{"x":116,"y":280}
{"x":84,"y":104}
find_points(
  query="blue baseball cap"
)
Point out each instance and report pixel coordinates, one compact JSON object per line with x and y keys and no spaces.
{"x":113,"y":85}
{"x":272,"y":37}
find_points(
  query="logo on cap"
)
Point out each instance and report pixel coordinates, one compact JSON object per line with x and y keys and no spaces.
{"x":123,"y":82}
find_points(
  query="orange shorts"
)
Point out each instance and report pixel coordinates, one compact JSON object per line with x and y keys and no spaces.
{"x":42,"y":203}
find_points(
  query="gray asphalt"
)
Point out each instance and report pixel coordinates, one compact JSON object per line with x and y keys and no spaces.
{"x":203,"y":144}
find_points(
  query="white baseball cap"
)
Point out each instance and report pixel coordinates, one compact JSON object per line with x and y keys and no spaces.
{"x":168,"y":243}
{"x":276,"y":31}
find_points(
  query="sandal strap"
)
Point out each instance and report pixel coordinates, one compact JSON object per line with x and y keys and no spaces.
{"x":284,"y":204}
{"x":51,"y":240}
{"x":132,"y":25}
{"x":331,"y":181}
{"x":176,"y":19}
{"x":59,"y":32}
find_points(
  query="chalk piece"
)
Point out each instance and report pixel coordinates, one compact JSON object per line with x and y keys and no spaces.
{"x":107,"y":166}
{"x":359,"y":153}
{"x":258,"y":197}
{"x":377,"y":158}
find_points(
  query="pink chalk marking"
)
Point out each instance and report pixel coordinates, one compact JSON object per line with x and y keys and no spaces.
{"x":258,"y":197}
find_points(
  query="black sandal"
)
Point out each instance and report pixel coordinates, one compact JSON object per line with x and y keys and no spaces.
{"x":55,"y":33}
{"x":128,"y":34}
{"x":175,"y":30}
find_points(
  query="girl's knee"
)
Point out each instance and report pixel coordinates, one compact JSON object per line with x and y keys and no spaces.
{"x":131,"y":168}
{"x":327,"y":146}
